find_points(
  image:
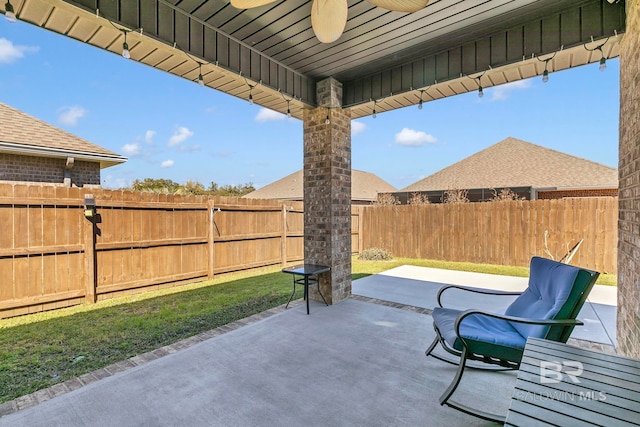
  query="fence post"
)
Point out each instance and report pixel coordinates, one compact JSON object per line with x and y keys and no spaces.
{"x":360,"y":228}
{"x":211,"y":264}
{"x":283,"y":244}
{"x":90,"y":273}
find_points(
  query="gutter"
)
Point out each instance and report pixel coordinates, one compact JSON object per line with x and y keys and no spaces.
{"x":105,"y":160}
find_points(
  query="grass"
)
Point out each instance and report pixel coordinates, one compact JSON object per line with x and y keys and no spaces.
{"x":366,"y":268}
{"x":44,"y":349}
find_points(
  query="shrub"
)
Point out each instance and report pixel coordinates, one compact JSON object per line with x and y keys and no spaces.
{"x":505,"y":194}
{"x":386,"y":199}
{"x":456,"y":196}
{"x":375,"y":254}
{"x":419,"y":199}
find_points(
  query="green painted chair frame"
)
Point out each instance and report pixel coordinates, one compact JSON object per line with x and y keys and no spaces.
{"x":557,"y":326}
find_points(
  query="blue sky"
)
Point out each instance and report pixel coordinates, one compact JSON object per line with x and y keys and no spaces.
{"x":172,"y":128}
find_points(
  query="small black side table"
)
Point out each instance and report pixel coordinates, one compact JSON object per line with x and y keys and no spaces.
{"x":309,"y":273}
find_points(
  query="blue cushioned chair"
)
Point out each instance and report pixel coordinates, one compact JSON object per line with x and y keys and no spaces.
{"x":546,"y":309}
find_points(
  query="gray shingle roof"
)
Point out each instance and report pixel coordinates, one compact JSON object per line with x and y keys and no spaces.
{"x":365,"y":187}
{"x":21,"y":133}
{"x":516,"y":163}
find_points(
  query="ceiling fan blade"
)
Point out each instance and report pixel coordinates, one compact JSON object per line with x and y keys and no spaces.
{"x":400,"y":5}
{"x":248,"y":4}
{"x":328,"y":19}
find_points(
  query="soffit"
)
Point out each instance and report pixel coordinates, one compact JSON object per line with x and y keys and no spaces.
{"x":383,"y":57}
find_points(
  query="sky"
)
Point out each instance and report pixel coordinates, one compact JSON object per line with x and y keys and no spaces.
{"x":172,"y":128}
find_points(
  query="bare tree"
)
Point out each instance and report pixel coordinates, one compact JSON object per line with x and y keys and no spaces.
{"x":419,"y":199}
{"x":504,"y":194}
{"x":386,"y":199}
{"x":456,"y":195}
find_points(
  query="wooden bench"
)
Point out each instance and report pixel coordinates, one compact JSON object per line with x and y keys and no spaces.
{"x":562,"y":385}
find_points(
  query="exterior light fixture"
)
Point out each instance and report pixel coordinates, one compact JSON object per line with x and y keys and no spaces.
{"x":545,"y":75}
{"x":9,"y":12}
{"x":89,"y":206}
{"x":327,"y":121}
{"x":374,"y":110}
{"x":288,"y":109}
{"x":420,"y":105}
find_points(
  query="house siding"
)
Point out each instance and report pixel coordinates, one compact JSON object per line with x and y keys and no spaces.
{"x":14,"y":167}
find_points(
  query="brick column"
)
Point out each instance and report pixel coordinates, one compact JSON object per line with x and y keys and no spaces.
{"x":628,"y":326}
{"x":327,"y":191}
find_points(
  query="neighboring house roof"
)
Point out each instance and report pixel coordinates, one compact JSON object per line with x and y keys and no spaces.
{"x":23,"y":134}
{"x":365,"y":186}
{"x":516,"y":163}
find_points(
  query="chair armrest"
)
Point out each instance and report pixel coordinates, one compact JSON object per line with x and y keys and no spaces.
{"x":474,"y":290}
{"x":524,"y":320}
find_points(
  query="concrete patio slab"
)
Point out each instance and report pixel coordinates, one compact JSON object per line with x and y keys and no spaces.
{"x":353,"y":363}
{"x":418,"y":286}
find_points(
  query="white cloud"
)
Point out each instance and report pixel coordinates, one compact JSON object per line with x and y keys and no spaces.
{"x":500,"y":93}
{"x":132,"y":149}
{"x":167,"y":164}
{"x":70,"y":115}
{"x":413,"y":138}
{"x":357,"y":127}
{"x":179,"y":136}
{"x":267,"y":115}
{"x":10,"y":52}
{"x":148,"y":136}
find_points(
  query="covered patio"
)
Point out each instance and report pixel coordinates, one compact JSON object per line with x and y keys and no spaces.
{"x":383,"y":60}
{"x":360,"y":362}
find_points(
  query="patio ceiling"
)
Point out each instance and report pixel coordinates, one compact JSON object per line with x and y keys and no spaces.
{"x":446,"y":48}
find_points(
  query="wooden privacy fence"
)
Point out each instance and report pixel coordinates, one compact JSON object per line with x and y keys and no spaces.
{"x":503,"y":233}
{"x":52,"y":256}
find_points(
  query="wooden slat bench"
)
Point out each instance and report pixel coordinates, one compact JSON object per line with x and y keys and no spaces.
{"x":562,"y":385}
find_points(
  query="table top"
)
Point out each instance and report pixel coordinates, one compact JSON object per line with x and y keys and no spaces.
{"x":307,"y":269}
{"x":566,"y":385}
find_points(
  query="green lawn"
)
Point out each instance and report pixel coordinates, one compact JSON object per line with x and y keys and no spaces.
{"x":40,"y":350}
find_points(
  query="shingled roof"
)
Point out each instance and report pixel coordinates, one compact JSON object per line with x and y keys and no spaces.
{"x":516,"y":163}
{"x":23,"y":134}
{"x":365,"y":187}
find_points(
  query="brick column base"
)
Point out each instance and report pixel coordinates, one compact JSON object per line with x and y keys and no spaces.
{"x":327,"y":199}
{"x":628,"y":325}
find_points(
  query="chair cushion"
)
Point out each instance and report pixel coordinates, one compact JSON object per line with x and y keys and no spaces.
{"x":476,"y":327}
{"x":550,"y":285}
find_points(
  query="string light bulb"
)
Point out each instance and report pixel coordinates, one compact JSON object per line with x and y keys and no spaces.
{"x":200,"y":78}
{"x":9,"y":12}
{"x":420,"y":105}
{"x":374,"y":109}
{"x":603,"y":64}
{"x":327,"y":121}
{"x":545,"y":75}
{"x":480,"y":91}
{"x":125,"y":47}
{"x":288,"y":109}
